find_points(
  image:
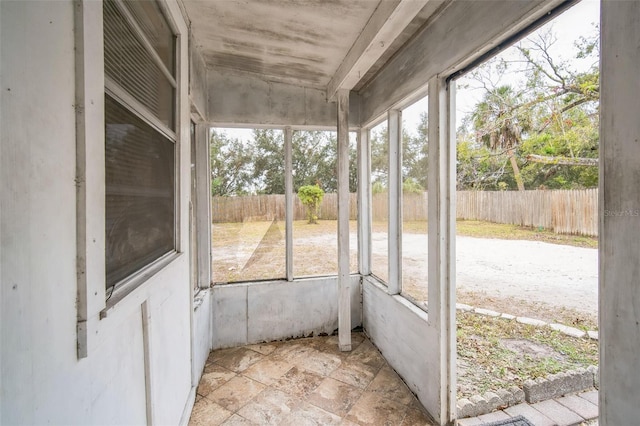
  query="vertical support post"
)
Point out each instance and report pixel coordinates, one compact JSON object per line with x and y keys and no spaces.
{"x":288,"y":190}
{"x":364,"y":202}
{"x":442,"y":234}
{"x":344,"y":282}
{"x":619,"y":218}
{"x":394,"y":120}
{"x":203,"y":204}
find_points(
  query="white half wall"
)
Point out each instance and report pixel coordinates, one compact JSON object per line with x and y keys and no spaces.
{"x":248,"y":313}
{"x":402,"y":333}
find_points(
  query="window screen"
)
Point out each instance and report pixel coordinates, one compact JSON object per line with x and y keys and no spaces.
{"x":140,"y":158}
{"x":140,"y":210}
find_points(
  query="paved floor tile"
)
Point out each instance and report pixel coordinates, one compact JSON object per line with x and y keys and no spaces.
{"x":213,"y":377}
{"x":375,"y":409}
{"x":416,"y":417}
{"x":367,"y":354}
{"x":267,"y":371}
{"x":319,"y":362}
{"x":263,"y":348}
{"x":236,"y":393}
{"x":470,"y":421}
{"x":390,"y":386}
{"x":292,"y":351}
{"x":208,"y":413}
{"x":237,"y":420}
{"x":494,"y":417}
{"x":270,"y":407}
{"x":239,"y":360}
{"x":533,"y":415}
{"x":581,"y":406}
{"x":558,"y":413}
{"x":591,"y":396}
{"x":335,"y":396}
{"x":299,"y":383}
{"x":354,"y":373}
{"x":309,"y":414}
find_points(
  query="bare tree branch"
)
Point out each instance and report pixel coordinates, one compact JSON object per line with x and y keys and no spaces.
{"x":563,"y":161}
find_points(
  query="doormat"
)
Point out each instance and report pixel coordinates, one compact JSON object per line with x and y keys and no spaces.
{"x":513,"y":421}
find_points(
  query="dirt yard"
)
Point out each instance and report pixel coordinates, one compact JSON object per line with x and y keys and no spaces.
{"x":549,"y":281}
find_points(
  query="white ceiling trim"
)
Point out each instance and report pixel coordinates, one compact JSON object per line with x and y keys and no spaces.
{"x":387,"y":22}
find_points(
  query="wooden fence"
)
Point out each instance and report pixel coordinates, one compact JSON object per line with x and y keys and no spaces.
{"x":566,"y":212}
{"x":269,"y":207}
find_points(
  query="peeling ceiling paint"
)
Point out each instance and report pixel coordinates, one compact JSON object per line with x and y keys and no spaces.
{"x":300,"y":42}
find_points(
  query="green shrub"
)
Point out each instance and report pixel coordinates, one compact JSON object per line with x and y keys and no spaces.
{"x":311,"y":196}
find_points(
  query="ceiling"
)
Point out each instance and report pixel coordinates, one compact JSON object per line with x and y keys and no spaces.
{"x":323,"y":44}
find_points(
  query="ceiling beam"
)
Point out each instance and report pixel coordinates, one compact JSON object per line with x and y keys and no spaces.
{"x":387,"y":22}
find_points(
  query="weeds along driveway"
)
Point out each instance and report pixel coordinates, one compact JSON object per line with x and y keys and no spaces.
{"x":554,"y":275}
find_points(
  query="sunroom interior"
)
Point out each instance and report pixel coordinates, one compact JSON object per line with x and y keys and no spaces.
{"x":344,"y":66}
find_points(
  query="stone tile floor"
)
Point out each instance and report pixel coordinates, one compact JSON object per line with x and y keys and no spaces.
{"x":304,"y":382}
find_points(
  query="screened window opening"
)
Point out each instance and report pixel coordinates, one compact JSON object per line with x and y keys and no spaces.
{"x":380,"y":201}
{"x":247,"y":204}
{"x":140,"y":142}
{"x":315,"y":226}
{"x":414,"y":202}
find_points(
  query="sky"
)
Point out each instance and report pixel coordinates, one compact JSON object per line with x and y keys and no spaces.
{"x":568,"y":27}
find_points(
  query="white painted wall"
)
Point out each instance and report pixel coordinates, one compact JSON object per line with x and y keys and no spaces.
{"x":43,"y":380}
{"x":406,"y":339}
{"x":619,"y":243}
{"x":248,"y":313}
{"x":242,"y":99}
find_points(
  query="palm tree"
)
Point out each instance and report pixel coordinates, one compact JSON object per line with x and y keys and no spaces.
{"x":499,"y":126}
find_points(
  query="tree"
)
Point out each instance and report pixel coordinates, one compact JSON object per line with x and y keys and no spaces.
{"x":314,"y":161}
{"x":499,"y":124}
{"x":415,"y":154}
{"x":315,"y":157}
{"x":268,"y":165}
{"x":414,"y":157}
{"x":311,"y":196}
{"x":546,"y":126}
{"x":231,"y":165}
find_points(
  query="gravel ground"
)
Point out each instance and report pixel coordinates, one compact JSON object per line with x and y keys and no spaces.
{"x":551,"y":274}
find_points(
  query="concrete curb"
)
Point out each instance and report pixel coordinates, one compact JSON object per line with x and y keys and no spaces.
{"x":553,"y":386}
{"x":564,"y":329}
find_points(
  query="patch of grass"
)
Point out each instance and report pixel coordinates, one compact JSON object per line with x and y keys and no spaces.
{"x":495,"y":353}
{"x":479,"y":229}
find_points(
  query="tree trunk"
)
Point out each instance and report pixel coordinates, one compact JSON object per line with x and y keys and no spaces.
{"x":516,"y":169}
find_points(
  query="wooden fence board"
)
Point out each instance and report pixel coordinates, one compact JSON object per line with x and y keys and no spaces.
{"x":563,"y":211}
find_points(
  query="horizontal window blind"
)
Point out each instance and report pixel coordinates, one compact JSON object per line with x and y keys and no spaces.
{"x":129,"y":64}
{"x":140,"y":192}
